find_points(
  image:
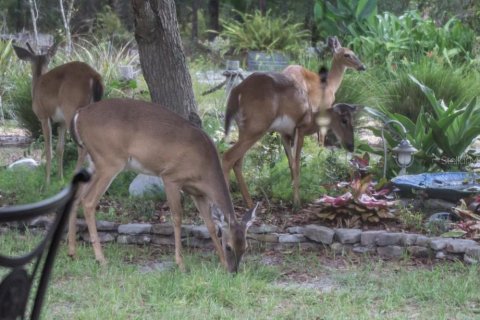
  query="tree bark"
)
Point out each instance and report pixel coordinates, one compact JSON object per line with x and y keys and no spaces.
{"x":162,"y":57}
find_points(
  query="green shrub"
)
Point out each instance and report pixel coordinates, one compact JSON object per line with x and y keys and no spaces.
{"x":321,"y":168}
{"x":449,"y":84}
{"x":446,"y":131}
{"x":264,"y":33}
{"x":109,"y":27}
{"x":343,"y":16}
{"x":19,"y":101}
{"x":391,"y":41}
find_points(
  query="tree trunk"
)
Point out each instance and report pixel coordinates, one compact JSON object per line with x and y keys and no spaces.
{"x":162,"y":57}
{"x":213,"y":12}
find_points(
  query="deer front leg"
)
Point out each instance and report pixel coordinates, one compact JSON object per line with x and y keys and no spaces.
{"x":233,"y":158}
{"x":72,"y":221}
{"x":298,"y":145}
{"x":204,"y":209}
{"x":47,"y":136}
{"x":174,"y":201}
{"x":287,"y":146}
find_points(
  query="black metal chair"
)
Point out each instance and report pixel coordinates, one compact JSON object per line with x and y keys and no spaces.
{"x":27,"y":275}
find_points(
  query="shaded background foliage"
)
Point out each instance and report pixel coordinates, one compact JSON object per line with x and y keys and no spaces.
{"x":436,"y":42}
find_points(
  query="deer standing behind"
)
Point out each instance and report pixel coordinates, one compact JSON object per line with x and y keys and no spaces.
{"x":321,"y":97}
{"x":123,"y":134}
{"x":56,"y":95}
{"x":266,"y":102}
{"x":294,"y":103}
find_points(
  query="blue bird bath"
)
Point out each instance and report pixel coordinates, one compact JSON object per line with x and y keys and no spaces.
{"x":450,"y":186}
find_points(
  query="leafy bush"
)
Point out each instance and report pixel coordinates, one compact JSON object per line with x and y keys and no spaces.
{"x":449,"y":84}
{"x":264,"y":33}
{"x":109,"y":27}
{"x":447,"y":131}
{"x":344,"y":16}
{"x":392,"y":40}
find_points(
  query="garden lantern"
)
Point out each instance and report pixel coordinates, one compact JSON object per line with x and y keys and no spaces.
{"x":402,"y":153}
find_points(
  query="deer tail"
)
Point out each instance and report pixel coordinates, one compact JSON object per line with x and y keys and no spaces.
{"x":232,"y":108}
{"x":323,"y":72}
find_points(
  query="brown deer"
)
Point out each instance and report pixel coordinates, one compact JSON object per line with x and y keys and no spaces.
{"x":266,"y":102}
{"x":56,"y":95}
{"x":321,"y":97}
{"x":294,"y":103}
{"x":123,"y":134}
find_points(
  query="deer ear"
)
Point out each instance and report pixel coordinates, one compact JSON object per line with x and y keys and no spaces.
{"x":23,"y":54}
{"x":218,"y":216}
{"x":342,"y":108}
{"x":250,"y":217}
{"x":333,"y":43}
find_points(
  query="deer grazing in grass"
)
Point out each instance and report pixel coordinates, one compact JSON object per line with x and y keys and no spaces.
{"x":56,"y":95}
{"x":123,"y":134}
{"x":294,"y":103}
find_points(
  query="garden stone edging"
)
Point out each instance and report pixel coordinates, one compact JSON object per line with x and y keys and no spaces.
{"x":387,"y":245}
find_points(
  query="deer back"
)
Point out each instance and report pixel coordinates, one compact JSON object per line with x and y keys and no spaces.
{"x":267,"y":101}
{"x":152,"y":139}
{"x":66,"y":87}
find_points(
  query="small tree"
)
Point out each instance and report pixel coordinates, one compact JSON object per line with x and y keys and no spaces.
{"x":66,"y":18}
{"x":34,"y":15}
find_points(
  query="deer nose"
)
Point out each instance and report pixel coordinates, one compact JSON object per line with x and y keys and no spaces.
{"x":362,"y":68}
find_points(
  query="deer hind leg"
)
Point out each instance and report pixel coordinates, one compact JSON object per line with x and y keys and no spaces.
{"x":233,"y":158}
{"x":62,"y":129}
{"x":206,"y":214}
{"x":100,"y":182}
{"x":172,"y":192}
{"x":82,"y":155}
{"x":47,"y":136}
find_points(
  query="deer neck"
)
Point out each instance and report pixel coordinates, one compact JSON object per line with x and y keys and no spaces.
{"x":37,"y":71}
{"x":335,"y":75}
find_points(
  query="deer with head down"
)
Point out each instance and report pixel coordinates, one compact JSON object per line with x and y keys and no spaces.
{"x":294,"y":103}
{"x":123,"y":134}
{"x":56,"y":95}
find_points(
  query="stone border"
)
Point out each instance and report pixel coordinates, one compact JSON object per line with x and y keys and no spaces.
{"x":387,"y":245}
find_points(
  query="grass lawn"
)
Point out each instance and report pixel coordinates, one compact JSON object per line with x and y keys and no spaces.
{"x":286,"y":285}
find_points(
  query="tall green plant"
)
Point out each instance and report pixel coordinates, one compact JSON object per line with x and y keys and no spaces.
{"x":344,"y":16}
{"x":449,"y":83}
{"x":445,"y":132}
{"x":454,"y":126}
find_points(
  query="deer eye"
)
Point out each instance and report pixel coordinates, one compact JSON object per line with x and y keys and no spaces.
{"x":347,"y":55}
{"x":229,"y":249}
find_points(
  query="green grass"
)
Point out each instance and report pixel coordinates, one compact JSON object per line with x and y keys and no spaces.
{"x":299,"y":285}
